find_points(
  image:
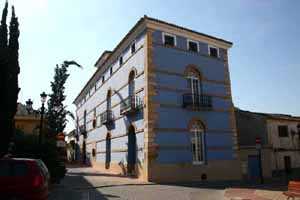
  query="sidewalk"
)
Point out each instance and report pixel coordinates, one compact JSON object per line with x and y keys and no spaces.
{"x":253,"y":194}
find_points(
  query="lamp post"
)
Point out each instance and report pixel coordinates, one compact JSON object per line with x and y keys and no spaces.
{"x":29,"y":106}
{"x":43,"y":100}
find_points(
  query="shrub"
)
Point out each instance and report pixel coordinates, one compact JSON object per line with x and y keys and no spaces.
{"x":27,"y":146}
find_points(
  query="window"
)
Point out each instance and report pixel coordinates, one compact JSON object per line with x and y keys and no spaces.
{"x":197,"y":141}
{"x":108,"y":100}
{"x":120,"y":60}
{"x":193,"y":46}
{"x":94,"y":119}
{"x":133,"y":48}
{"x":84,"y":120}
{"x":283,"y":131}
{"x":111,"y":71}
{"x":169,"y":40}
{"x":213,"y":51}
{"x":194,"y":85}
{"x":131,"y":85}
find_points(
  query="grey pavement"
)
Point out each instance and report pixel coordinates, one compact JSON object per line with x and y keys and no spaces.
{"x":87,"y":184}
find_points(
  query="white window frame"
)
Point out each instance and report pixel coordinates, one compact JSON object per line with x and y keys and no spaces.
{"x":195,"y":132}
{"x":211,"y":46}
{"x":188,"y":45}
{"x":171,"y":35}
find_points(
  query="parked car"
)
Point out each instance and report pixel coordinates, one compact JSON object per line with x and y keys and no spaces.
{"x":24,"y":179}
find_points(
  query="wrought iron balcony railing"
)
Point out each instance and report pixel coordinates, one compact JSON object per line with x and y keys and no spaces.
{"x":131,"y":105}
{"x":106,"y":117}
{"x":197,"y":101}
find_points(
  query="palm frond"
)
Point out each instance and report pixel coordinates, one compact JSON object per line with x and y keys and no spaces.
{"x":72,"y":62}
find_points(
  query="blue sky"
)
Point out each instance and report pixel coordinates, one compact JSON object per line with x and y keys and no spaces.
{"x":264,"y":60}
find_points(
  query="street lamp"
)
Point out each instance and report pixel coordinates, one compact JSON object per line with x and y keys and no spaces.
{"x":29,"y":106}
{"x":43,"y":100}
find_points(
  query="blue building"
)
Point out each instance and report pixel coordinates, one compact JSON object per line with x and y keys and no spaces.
{"x":159,"y":107}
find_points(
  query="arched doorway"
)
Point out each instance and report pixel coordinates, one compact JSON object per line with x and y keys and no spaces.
{"x":197,"y":131}
{"x":131,"y":150}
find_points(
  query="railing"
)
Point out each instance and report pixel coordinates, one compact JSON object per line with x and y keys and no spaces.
{"x":131,"y":105}
{"x":106,"y":117}
{"x":197,"y":101}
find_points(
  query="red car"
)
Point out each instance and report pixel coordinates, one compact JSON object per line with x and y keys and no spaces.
{"x":23,"y":179}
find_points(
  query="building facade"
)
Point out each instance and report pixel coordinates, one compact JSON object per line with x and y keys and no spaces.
{"x":280,"y":141}
{"x":159,"y":107}
{"x":27,"y":122}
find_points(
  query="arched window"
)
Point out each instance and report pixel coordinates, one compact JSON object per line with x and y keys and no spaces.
{"x":197,"y":141}
{"x":108,"y":100}
{"x":131,"y":84}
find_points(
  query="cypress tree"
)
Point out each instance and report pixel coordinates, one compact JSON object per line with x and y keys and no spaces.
{"x":13,"y":68}
{"x":57,"y":112}
{"x":9,"y":70}
{"x":3,"y":27}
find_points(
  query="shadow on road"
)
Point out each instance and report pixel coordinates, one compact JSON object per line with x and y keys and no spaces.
{"x":83,"y":190}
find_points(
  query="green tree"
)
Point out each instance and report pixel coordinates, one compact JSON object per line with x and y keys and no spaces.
{"x":9,"y":70}
{"x":57,"y":112}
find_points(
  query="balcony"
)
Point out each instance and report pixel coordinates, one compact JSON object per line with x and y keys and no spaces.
{"x":130,"y":105}
{"x":197,"y":101}
{"x":106,"y":117}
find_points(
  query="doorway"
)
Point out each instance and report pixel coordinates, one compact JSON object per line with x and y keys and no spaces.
{"x":108,"y":151}
{"x":287,"y":164}
{"x":131,"y":150}
{"x":253,"y":167}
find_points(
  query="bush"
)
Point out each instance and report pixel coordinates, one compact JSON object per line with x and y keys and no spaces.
{"x":27,"y":146}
